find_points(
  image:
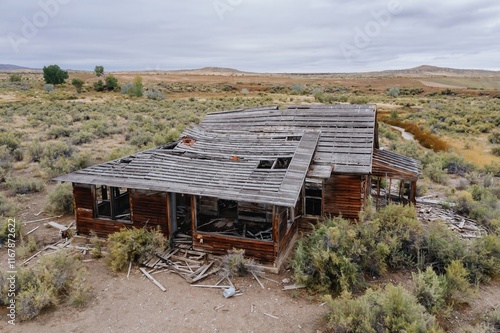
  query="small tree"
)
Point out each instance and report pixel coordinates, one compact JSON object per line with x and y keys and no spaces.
{"x":53,"y":74}
{"x":111,"y":83}
{"x":99,"y":71}
{"x":15,"y":78}
{"x":136,"y":89}
{"x":99,"y":85}
{"x":78,"y":83}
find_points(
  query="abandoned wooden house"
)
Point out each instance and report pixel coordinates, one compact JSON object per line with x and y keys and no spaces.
{"x":247,"y":179}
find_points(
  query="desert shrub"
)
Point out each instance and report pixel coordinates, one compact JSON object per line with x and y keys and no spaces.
{"x":392,"y":309}
{"x":15,"y":77}
{"x":7,"y":208}
{"x":141,"y":139}
{"x":483,"y":259}
{"x":329,"y":259}
{"x":35,"y":150}
{"x":56,"y":132}
{"x":495,"y":151}
{"x":494,"y":137}
{"x":49,"y":87}
{"x":125,"y":88}
{"x":402,"y":233}
{"x":436,"y":173}
{"x":135,"y":245}
{"x":155,"y":94}
{"x":82,"y":137}
{"x":54,"y":279}
{"x":234,"y":263}
{"x":430,"y":289}
{"x":358,"y":100}
{"x":244,"y":91}
{"x":457,"y":284}
{"x":440,"y":246}
{"x":7,"y":227}
{"x":392,"y":92}
{"x":298,"y":88}
{"x":10,"y":139}
{"x":492,"y":321}
{"x":24,"y":185}
{"x":61,"y":199}
{"x":136,"y":89}
{"x":96,"y":251}
{"x":26,"y":247}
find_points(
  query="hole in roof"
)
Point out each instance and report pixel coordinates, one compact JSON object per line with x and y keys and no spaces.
{"x":282,"y":163}
{"x":293,"y":138}
{"x":265,"y":164}
{"x":171,"y":145}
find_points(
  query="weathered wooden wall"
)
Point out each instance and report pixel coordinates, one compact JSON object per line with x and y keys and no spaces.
{"x":344,"y":195}
{"x":219,"y":244}
{"x":84,"y":214}
{"x":286,"y":233}
{"x":149,"y":208}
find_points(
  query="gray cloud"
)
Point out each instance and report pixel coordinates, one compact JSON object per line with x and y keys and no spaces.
{"x":253,"y":35}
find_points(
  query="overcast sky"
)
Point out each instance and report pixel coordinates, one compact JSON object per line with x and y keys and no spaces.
{"x":251,"y":35}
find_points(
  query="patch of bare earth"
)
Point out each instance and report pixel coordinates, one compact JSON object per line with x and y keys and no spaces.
{"x":137,"y":305}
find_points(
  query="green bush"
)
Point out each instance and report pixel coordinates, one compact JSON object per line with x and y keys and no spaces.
{"x":483,"y":259}
{"x":329,"y":259}
{"x":392,"y":309}
{"x":440,"y":246}
{"x":54,"y":279}
{"x":235,"y":264}
{"x":457,"y":284}
{"x":24,"y":185}
{"x":7,"y":208}
{"x":135,"y":245}
{"x":61,"y":199}
{"x":436,"y":173}
{"x":430,"y":290}
{"x":35,"y":151}
{"x":402,"y":232}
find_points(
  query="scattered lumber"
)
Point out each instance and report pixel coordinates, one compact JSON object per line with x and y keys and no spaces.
{"x":293,"y":286}
{"x":256,"y":278}
{"x":32,"y":230}
{"x":158,"y":284}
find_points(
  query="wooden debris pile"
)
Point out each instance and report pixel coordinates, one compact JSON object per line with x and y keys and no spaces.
{"x":464,"y":226}
{"x":192,"y":266}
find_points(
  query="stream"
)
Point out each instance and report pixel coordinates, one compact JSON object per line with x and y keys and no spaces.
{"x":406,"y":135}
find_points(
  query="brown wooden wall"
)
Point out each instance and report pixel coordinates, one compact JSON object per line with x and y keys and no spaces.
{"x":218,"y":244}
{"x":149,"y":209}
{"x":344,"y":195}
{"x":285,"y":233}
{"x":84,"y":214}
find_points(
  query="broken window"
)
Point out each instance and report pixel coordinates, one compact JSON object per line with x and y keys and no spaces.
{"x":279,"y":163}
{"x":265,"y":164}
{"x":313,"y":199}
{"x":112,"y":202}
{"x":228,"y":208}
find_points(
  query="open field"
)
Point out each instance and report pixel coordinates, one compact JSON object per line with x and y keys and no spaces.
{"x":46,"y":133}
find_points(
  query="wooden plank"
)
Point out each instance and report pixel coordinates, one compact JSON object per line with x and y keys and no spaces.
{"x":150,"y":277}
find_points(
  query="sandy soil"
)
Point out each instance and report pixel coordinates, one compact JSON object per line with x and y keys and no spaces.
{"x":440,"y":85}
{"x":137,"y":305}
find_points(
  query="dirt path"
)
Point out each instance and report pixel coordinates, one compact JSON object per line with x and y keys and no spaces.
{"x":137,"y":305}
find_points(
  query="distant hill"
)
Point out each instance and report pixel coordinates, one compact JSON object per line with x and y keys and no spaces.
{"x":8,"y":67}
{"x":426,"y":70}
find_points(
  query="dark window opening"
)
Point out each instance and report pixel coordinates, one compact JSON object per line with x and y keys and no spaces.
{"x":112,"y":202}
{"x":283,"y":163}
{"x":228,"y":208}
{"x":265,"y":164}
{"x":293,"y":138}
{"x":313,"y":200}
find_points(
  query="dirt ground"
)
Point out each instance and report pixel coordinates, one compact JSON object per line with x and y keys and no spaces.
{"x":119,"y":304}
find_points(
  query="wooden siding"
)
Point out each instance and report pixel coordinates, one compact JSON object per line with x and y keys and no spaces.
{"x":149,"y":208}
{"x":218,"y":244}
{"x":344,"y":195}
{"x":84,"y":214}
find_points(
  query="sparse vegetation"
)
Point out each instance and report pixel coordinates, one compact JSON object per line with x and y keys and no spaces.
{"x":56,"y":278}
{"x":133,"y":245}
